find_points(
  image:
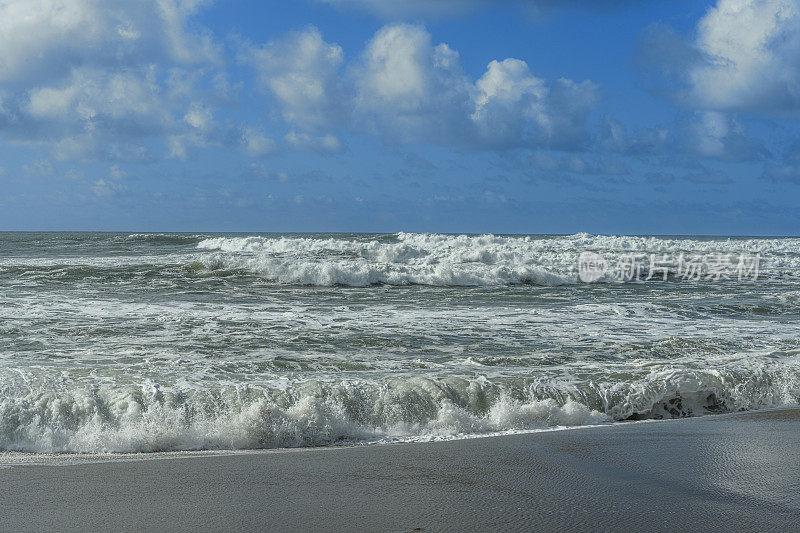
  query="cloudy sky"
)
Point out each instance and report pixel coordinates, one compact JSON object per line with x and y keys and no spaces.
{"x":526,"y":116}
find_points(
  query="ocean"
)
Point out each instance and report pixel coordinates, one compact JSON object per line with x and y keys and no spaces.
{"x":123,"y":342}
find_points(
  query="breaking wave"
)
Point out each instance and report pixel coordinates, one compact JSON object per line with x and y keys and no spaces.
{"x":399,"y":259}
{"x":159,"y":342}
{"x":405,"y":259}
{"x":148,"y":417}
{"x":454,"y":260}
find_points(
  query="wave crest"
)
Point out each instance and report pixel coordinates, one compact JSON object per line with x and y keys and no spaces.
{"x":454,"y":260}
{"x":149,"y":418}
{"x":404,"y":259}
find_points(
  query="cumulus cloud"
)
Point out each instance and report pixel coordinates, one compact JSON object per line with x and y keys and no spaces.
{"x":410,"y":89}
{"x":301,"y":71}
{"x":75,"y":71}
{"x":743,"y":61}
{"x":512,"y":107}
{"x":93,"y":98}
{"x":133,"y":81}
{"x":752,"y":50}
{"x":41,"y":38}
{"x":405,"y":88}
{"x":745,"y":58}
{"x":508,"y":97}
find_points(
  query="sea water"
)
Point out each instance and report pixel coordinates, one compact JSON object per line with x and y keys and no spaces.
{"x":120,"y":342}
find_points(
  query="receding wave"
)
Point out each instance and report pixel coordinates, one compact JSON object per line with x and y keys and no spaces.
{"x":147,"y":417}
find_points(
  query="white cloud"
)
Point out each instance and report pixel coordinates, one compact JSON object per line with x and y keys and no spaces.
{"x":716,"y":135}
{"x":745,"y":58}
{"x":40,"y":39}
{"x":123,"y":80}
{"x":515,"y":107}
{"x":405,"y":88}
{"x":92,"y":95}
{"x":256,"y":144}
{"x":409,"y":89}
{"x":40,"y":168}
{"x":709,"y":134}
{"x":743,"y":61}
{"x":509,"y":97}
{"x":199,"y":117}
{"x":323,"y":143}
{"x":401,"y":67}
{"x":110,"y":184}
{"x":179,"y":145}
{"x":84,"y":73}
{"x":753,"y":56}
{"x":301,"y":71}
{"x":103,"y":187}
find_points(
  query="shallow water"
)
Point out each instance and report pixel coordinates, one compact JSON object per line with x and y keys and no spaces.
{"x":160,"y":342}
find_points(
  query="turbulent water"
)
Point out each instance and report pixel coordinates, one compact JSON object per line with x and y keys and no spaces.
{"x":155,"y":342}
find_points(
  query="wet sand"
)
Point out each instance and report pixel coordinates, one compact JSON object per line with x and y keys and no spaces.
{"x":727,"y":472}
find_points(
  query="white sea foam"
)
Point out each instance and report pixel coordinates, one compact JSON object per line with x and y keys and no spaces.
{"x":404,"y":258}
{"x":457,"y":260}
{"x":129,"y":343}
{"x":148,"y":418}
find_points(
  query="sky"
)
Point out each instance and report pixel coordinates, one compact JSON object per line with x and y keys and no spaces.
{"x":526,"y":116}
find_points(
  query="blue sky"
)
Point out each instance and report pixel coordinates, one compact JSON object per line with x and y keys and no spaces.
{"x":528,"y":116}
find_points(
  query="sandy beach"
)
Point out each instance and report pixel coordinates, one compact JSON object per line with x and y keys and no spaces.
{"x":726,"y":472}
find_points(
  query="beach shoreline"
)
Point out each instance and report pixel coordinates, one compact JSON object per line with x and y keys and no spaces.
{"x":735,"y":471}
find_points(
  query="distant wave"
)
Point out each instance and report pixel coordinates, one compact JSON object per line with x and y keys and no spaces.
{"x":407,"y":259}
{"x":453,"y":260}
{"x":163,"y":238}
{"x":398,"y":260}
{"x":148,"y":417}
